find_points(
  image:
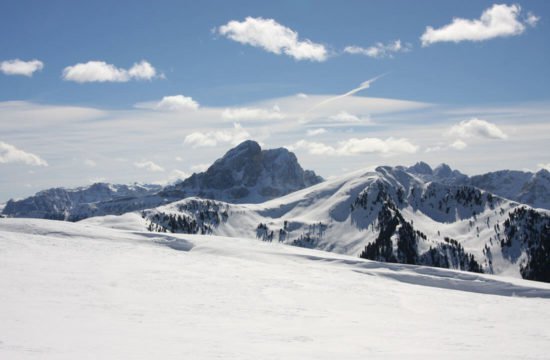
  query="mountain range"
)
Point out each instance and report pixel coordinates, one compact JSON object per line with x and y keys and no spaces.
{"x":496,"y":223}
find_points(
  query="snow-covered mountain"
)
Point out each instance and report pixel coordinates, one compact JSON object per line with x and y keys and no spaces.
{"x":521,"y":186}
{"x":73,"y":291}
{"x":386,"y":214}
{"x":245,"y":173}
{"x":82,"y":202}
{"x":412,"y":215}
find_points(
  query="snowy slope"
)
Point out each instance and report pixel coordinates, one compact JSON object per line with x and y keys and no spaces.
{"x":77,"y":291}
{"x":383,"y":214}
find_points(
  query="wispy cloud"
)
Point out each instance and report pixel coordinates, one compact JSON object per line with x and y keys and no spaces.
{"x":213,"y":138}
{"x":20,"y":67}
{"x":246,"y":114}
{"x":500,"y":20}
{"x":11,"y":154}
{"x":90,"y":163}
{"x":100,"y":71}
{"x":364,"y":85}
{"x":316,"y":132}
{"x":149,"y":166}
{"x":271,"y":36}
{"x":477,"y":128}
{"x":379,"y":50}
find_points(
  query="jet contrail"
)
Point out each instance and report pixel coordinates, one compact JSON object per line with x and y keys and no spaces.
{"x":364,"y":85}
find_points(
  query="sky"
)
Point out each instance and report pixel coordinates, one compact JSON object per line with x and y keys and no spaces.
{"x":152,"y":91}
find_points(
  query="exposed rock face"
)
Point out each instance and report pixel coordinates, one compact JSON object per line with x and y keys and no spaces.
{"x":247,"y":173}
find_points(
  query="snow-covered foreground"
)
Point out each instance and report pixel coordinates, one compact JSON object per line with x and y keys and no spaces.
{"x":79,"y":291}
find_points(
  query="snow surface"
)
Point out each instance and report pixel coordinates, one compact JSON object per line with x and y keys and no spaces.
{"x":81,"y":291}
{"x":323,"y":213}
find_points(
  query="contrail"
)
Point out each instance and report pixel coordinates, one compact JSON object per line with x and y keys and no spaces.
{"x":364,"y":85}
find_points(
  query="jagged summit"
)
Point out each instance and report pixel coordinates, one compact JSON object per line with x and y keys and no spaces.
{"x":247,"y":173}
{"x":421,"y":168}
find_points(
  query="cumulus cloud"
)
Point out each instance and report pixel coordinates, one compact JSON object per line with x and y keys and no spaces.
{"x":11,"y":154}
{"x":301,"y":96}
{"x":315,"y":132}
{"x":477,"y":128}
{"x":213,"y":138}
{"x":500,"y":20}
{"x":100,"y":71}
{"x":273,"y":37}
{"x":458,"y":145}
{"x":354,"y":146}
{"x":20,"y":67}
{"x":379,"y":50}
{"x":177,"y":102}
{"x":247,"y":114}
{"x":346,"y":117}
{"x":149,"y":166}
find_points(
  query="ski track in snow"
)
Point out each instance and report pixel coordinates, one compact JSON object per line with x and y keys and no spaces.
{"x":81,"y":291}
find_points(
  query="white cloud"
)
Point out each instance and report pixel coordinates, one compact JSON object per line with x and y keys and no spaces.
{"x":178,"y":175}
{"x":11,"y":154}
{"x":363,"y":86}
{"x":20,"y":67}
{"x":315,"y":132}
{"x":477,"y":128}
{"x":354,"y":146}
{"x":458,"y":145}
{"x":246,"y":114}
{"x":142,"y":71}
{"x":532,"y":19}
{"x":212,"y":138}
{"x":346,"y":117}
{"x":100,"y":71}
{"x":199,"y":167}
{"x":301,"y":96}
{"x":90,"y":163}
{"x":177,"y":102}
{"x":544,"y":166}
{"x":500,"y":20}
{"x":149,"y":166}
{"x":379,"y":50}
{"x":273,"y":37}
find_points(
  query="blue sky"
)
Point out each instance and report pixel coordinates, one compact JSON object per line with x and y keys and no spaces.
{"x":497,"y":75}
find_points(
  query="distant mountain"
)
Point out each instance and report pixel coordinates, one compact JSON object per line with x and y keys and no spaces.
{"x":391,"y":214}
{"x":524,"y":187}
{"x":245,"y":173}
{"x":79,"y":203}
